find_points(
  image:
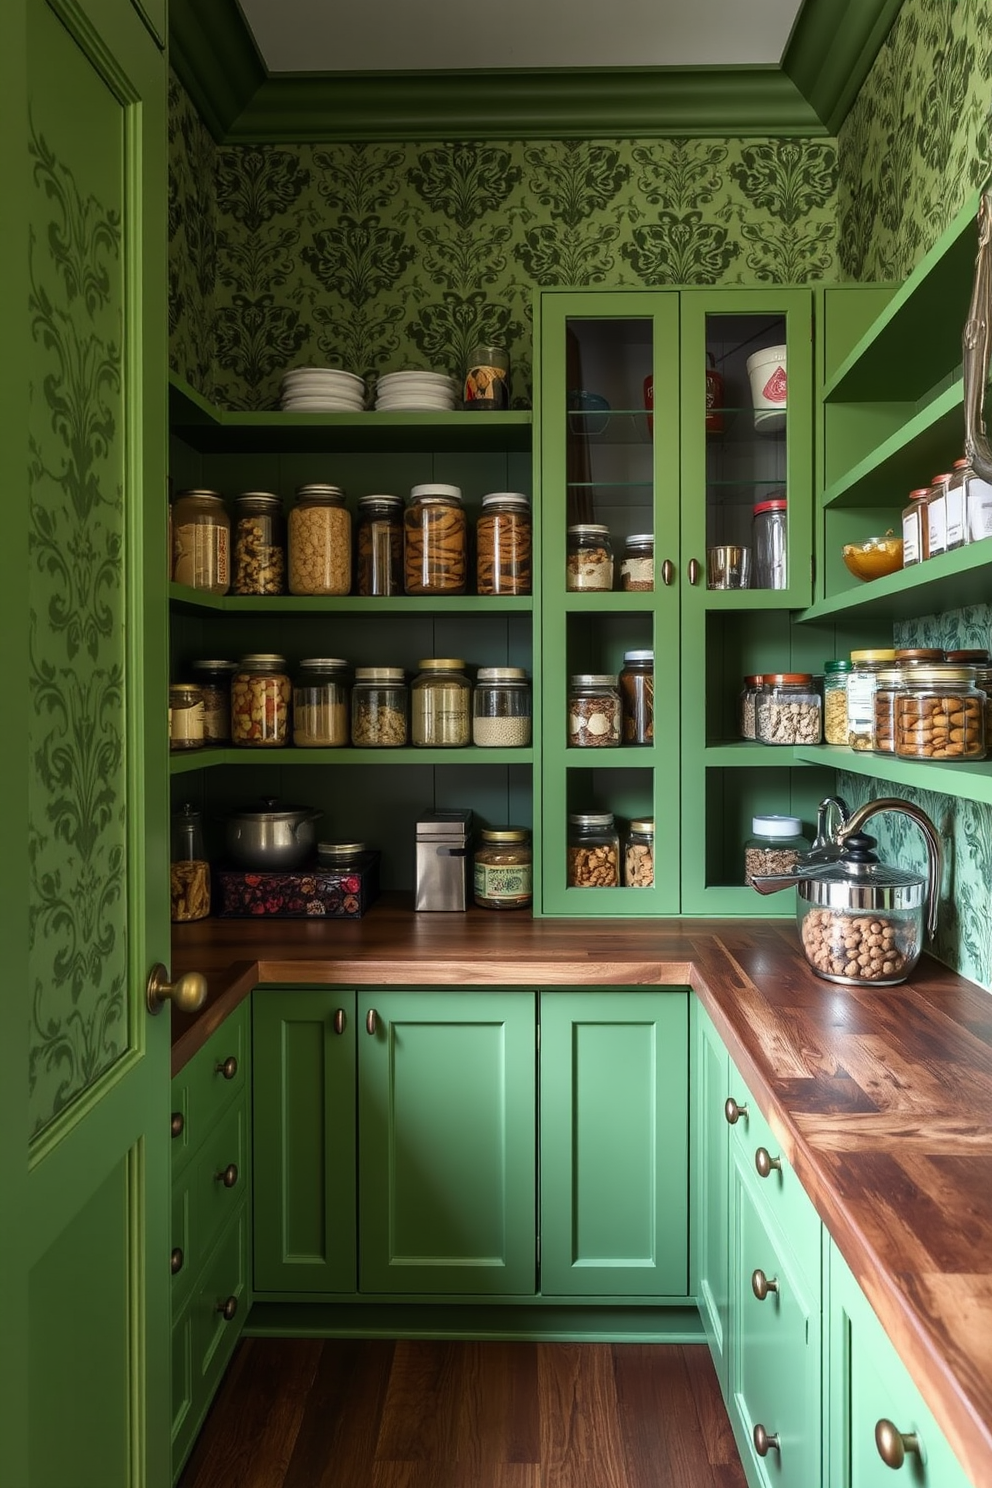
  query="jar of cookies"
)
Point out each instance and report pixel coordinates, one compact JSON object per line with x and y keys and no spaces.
{"x":259,"y":551}
{"x":638,"y":855}
{"x":435,"y":541}
{"x":379,"y":545}
{"x":201,"y":542}
{"x":260,"y":696}
{"x":593,"y":851}
{"x":940,"y":715}
{"x":320,"y":542}
{"x":503,"y":544}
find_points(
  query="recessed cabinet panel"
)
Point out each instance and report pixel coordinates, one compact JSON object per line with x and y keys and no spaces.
{"x":710,"y":1209}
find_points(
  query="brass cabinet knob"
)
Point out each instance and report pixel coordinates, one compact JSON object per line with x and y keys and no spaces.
{"x":188,"y":992}
{"x":765,"y":1441}
{"x":761,"y":1285}
{"x":695,"y":570}
{"x":339,"y":1021}
{"x":228,"y":1309}
{"x":764,"y":1162}
{"x":228,"y":1176}
{"x":372,"y":1021}
{"x":176,"y":1262}
{"x":178,"y":1124}
{"x":227,"y":1067}
{"x":892,"y":1444}
{"x":734,"y":1112}
{"x":668,"y":573}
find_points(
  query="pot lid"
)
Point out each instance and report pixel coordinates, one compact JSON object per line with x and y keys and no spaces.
{"x":267,"y":808}
{"x":858,"y":878}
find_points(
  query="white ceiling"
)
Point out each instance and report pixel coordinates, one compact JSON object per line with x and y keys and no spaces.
{"x":422,"y":35}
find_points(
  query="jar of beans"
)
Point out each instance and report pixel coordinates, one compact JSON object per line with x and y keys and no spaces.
{"x":259,"y":552}
{"x":593,"y":711}
{"x":320,"y":703}
{"x":379,"y":708}
{"x":593,"y":851}
{"x":441,"y":705}
{"x":788,"y":709}
{"x":201,"y":542}
{"x":589,"y":559}
{"x":940,"y":715}
{"x":213,"y":678}
{"x":503,"y":544}
{"x":637,"y":563}
{"x":501,"y":708}
{"x":775,"y":845}
{"x":379,"y":545}
{"x":435,"y":541}
{"x":319,"y":542}
{"x":637,"y":697}
{"x":638,"y":855}
{"x":835,"y":675}
{"x":260,"y":696}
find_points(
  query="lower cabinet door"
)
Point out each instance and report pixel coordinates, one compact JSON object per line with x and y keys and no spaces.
{"x":614,"y":1143}
{"x":710,"y":1190}
{"x":447,"y":1142}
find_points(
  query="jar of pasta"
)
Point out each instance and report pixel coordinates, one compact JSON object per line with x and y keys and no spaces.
{"x":435,"y":541}
{"x":213,"y":678}
{"x":378,"y":708}
{"x":320,"y":703}
{"x":320,"y":542}
{"x":189,"y":874}
{"x":940,"y":715}
{"x":259,"y":551}
{"x":260,"y":696}
{"x":201,"y":542}
{"x":593,"y":851}
{"x":503,"y":544}
{"x":441,"y":705}
{"x":379,"y":545}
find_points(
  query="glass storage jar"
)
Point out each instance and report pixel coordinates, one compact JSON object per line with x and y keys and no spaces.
{"x":915,"y":528}
{"x":936,"y":517}
{"x":835,"y":675}
{"x":379,"y":545}
{"x":983,"y":680}
{"x":954,"y":502}
{"x":503,"y":544}
{"x":977,"y":506}
{"x":747,"y":703}
{"x":502,"y":868}
{"x":637,"y":697}
{"x":593,"y":851}
{"x":213,"y":678}
{"x":637,"y":563}
{"x":435,"y":541}
{"x":501,"y":708}
{"x":638,"y":855}
{"x":769,"y":543}
{"x":379,"y":708}
{"x":201,"y":542}
{"x":774,"y":846}
{"x":320,"y":703}
{"x":788,"y":710}
{"x":883,"y":734}
{"x":594,"y":711}
{"x":259,"y":550}
{"x":319,"y":541}
{"x":339,"y":857}
{"x":940,"y":715}
{"x":260,"y":697}
{"x":441,"y":705}
{"x":189,"y":873}
{"x":185,"y":716}
{"x":589,"y":557}
{"x":865,"y":666}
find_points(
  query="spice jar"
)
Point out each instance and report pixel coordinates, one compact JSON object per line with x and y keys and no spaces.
{"x":593,"y":851}
{"x":774,"y":846}
{"x":379,"y":546}
{"x":982,"y":665}
{"x":637,"y":563}
{"x":593,"y":711}
{"x":502,"y":869}
{"x":637,"y":697}
{"x":768,"y":540}
{"x":915,"y":528}
{"x":954,"y":504}
{"x":441,"y":705}
{"x":189,"y":873}
{"x":213,"y":678}
{"x":940,"y":715}
{"x":835,"y":675}
{"x":378,"y":708}
{"x":260,"y":698}
{"x":865,"y":665}
{"x":201,"y":542}
{"x":435,"y":541}
{"x":589,"y":561}
{"x":936,"y":516}
{"x":501,"y":708}
{"x":638,"y":855}
{"x":259,"y":554}
{"x":503,"y":544}
{"x":185,"y":716}
{"x":319,"y":542}
{"x":320,"y":703}
{"x":788,"y":709}
{"x":977,"y":506}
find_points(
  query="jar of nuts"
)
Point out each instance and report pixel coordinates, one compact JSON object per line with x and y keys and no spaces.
{"x":201,"y":542}
{"x":259,"y":552}
{"x":637,"y":563}
{"x":319,"y":542}
{"x":983,"y":680}
{"x":775,"y":845}
{"x":589,"y":558}
{"x":593,"y":851}
{"x":503,"y":544}
{"x":788,"y":709}
{"x":940,"y":715}
{"x":441,"y":705}
{"x":260,"y":698}
{"x":435,"y":541}
{"x":379,"y":708}
{"x":638,"y":855}
{"x":594,"y":711}
{"x":887,"y":683}
{"x":320,"y":703}
{"x":379,"y":545}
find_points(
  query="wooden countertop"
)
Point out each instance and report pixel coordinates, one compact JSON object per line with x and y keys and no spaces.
{"x":882,"y":1100}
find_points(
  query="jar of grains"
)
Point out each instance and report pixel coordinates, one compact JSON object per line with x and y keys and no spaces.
{"x":185,"y":716}
{"x":589,"y":560}
{"x":189,"y":874}
{"x":201,"y":542}
{"x":501,"y":708}
{"x":502,"y":872}
{"x":983,"y":680}
{"x":637,"y":697}
{"x":503,"y":544}
{"x":748,"y":699}
{"x":379,"y":545}
{"x":320,"y":703}
{"x":865,"y":666}
{"x":788,"y":709}
{"x":319,"y":542}
{"x":774,"y":846}
{"x":441,"y":705}
{"x":593,"y":851}
{"x":638,"y":855}
{"x":213,"y":678}
{"x":835,"y":675}
{"x":637,"y":563}
{"x":260,"y":698}
{"x":940,"y":714}
{"x":594,"y":711}
{"x":259,"y":552}
{"x":435,"y":541}
{"x":378,"y":708}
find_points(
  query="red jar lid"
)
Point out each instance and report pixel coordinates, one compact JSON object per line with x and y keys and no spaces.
{"x":778,"y":679}
{"x":777,"y":505}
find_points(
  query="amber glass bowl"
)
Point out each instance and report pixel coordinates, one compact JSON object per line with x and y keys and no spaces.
{"x":873,"y":558}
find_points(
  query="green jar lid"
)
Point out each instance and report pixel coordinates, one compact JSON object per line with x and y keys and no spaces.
{"x":834,"y":668}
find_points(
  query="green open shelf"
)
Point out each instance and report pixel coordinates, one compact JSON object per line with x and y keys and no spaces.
{"x":946,"y":582}
{"x":971,"y":782}
{"x":183,"y":761}
{"x":194,"y":600}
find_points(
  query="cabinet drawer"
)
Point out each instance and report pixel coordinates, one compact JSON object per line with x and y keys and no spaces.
{"x":218,"y":1183}
{"x":223,"y":1284}
{"x":212,"y":1081}
{"x":783,"y":1198}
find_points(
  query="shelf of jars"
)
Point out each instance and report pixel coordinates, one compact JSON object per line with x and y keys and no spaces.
{"x":947,"y":581}
{"x":188,"y":600}
{"x":183,"y":762}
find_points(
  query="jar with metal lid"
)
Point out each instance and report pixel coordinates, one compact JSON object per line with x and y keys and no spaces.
{"x":502,"y":868}
{"x":769,"y":543}
{"x":638,"y":855}
{"x":835,"y":675}
{"x":955,"y":506}
{"x":441,"y":705}
{"x":887,"y":683}
{"x":637,"y":697}
{"x":379,"y":708}
{"x":865,"y":666}
{"x":788,"y":709}
{"x":487,"y":379}
{"x":261,"y":693}
{"x":915,"y":528}
{"x":503,"y":544}
{"x":983,"y":680}
{"x":435,"y":541}
{"x":319,"y":541}
{"x":775,"y":845}
{"x":320,"y":703}
{"x":593,"y":851}
{"x":589,"y":560}
{"x":189,"y":873}
{"x":501,"y":708}
{"x":940,"y":715}
{"x":379,"y":545}
{"x":339,"y":857}
{"x":637,"y":563}
{"x":936,"y":517}
{"x":201,"y":542}
{"x":594,"y":711}
{"x":977,"y":506}
{"x":213,"y":678}
{"x":259,"y":547}
{"x":747,"y":705}
{"x":185,"y":716}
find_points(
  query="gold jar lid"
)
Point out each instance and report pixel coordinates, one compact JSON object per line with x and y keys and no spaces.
{"x":505,"y":834}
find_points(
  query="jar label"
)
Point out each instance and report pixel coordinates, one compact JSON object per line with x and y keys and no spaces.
{"x":509,"y":881}
{"x":487,"y":386}
{"x":186,"y":724}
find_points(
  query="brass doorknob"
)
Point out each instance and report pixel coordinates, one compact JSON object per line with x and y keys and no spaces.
{"x":228,"y":1309}
{"x":188,"y":992}
{"x":668,"y":573}
{"x":371,"y":1021}
{"x":695,"y":570}
{"x":765,"y":1441}
{"x":892,"y":1444}
{"x":761,"y":1285}
{"x":227,"y":1067}
{"x":764,"y":1162}
{"x":228,"y":1176}
{"x":339,"y":1021}
{"x":178,"y":1123}
{"x":734,"y":1112}
{"x":176,"y":1263}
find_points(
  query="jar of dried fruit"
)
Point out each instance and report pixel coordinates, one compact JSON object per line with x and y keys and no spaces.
{"x":259,"y":550}
{"x":260,"y":696}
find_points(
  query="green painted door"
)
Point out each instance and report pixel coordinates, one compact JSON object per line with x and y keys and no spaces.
{"x":711,"y":1185}
{"x":85,"y":1069}
{"x":446,"y":1120}
{"x":304,"y":1179}
{"x":614,"y":1143}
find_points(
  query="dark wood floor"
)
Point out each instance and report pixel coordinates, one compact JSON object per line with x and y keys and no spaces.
{"x":309,"y":1413}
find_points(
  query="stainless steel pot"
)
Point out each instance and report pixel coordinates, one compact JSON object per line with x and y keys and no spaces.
{"x":273,"y":837}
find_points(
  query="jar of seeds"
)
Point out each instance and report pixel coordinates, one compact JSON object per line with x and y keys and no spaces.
{"x":501,"y":708}
{"x":594,"y":711}
{"x":774,"y":846}
{"x":320,"y":542}
{"x":259,"y":552}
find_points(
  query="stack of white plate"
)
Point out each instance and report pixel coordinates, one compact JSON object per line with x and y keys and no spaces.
{"x":400,"y":392}
{"x":322,"y":390}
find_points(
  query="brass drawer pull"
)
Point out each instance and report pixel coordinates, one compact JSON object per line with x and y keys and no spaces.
{"x":339,"y":1021}
{"x":695,"y":571}
{"x":765,"y":1163}
{"x":765,"y":1441}
{"x":734,"y":1112}
{"x":177,"y":1261}
{"x":228,"y":1309}
{"x":372,"y":1021}
{"x":761,"y":1284}
{"x":226,"y":1067}
{"x":178,"y":1123}
{"x":228,"y":1176}
{"x":668,"y":573}
{"x":892,"y":1444}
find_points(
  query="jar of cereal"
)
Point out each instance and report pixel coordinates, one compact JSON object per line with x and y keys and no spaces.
{"x":260,"y":696}
{"x":320,"y":542}
{"x":593,"y":851}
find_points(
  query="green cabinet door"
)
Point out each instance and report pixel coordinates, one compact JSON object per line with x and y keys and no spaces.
{"x":710,"y":1185}
{"x":614,"y":1143}
{"x":304,"y":1181}
{"x":446,"y":1142}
